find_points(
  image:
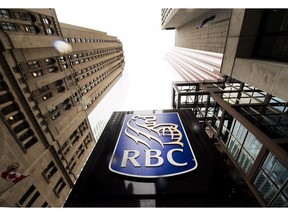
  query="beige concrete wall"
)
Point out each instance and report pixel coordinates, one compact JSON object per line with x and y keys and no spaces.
{"x":211,"y":38}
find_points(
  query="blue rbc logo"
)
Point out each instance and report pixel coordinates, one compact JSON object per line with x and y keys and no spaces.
{"x":151,"y":146}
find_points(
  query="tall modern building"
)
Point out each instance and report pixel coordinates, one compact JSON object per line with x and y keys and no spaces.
{"x":246,"y":114}
{"x":46,"y":96}
{"x":199,"y":46}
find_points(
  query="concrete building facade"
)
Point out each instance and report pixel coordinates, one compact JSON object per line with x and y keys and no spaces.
{"x":246,"y":113}
{"x":203,"y":42}
{"x":45,"y":99}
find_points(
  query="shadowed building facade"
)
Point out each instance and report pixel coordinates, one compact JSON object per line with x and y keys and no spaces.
{"x":246,"y":113}
{"x":45,"y":99}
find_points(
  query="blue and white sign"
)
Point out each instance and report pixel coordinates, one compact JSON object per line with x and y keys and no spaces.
{"x":152,"y":146}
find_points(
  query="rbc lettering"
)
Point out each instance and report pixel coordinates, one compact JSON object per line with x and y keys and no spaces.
{"x":132,"y":155}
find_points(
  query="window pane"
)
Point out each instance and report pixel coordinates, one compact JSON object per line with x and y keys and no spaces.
{"x":275,"y":170}
{"x":239,"y":131}
{"x":265,"y":187}
{"x":280,"y":201}
{"x":252,"y":145}
{"x":245,"y":161}
{"x":234,"y":147}
{"x":285,"y":190}
{"x":4,"y":13}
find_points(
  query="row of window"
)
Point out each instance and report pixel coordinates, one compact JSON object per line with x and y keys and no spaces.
{"x":72,"y":140}
{"x":100,"y":93}
{"x":48,"y":173}
{"x":90,"y":58}
{"x":88,"y":40}
{"x":271,"y":179}
{"x":242,"y":144}
{"x":82,"y":74}
{"x":26,"y":16}
{"x":8,"y":26}
{"x":98,"y":53}
{"x":30,"y":198}
{"x":272,"y":182}
{"x":15,"y":118}
{"x":33,"y":198}
{"x":78,"y":153}
{"x":87,"y":87}
{"x":45,"y":92}
{"x":57,"y":110}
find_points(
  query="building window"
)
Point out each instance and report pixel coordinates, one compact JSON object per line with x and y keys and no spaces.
{"x":55,"y":115}
{"x":33,"y":199}
{"x":20,"y":127}
{"x":46,"y":21}
{"x":45,"y":204}
{"x":28,"y":17}
{"x":47,"y":96}
{"x":5,"y":98}
{"x":32,"y":29}
{"x":59,"y":186}
{"x":272,"y":39}
{"x":249,"y":152}
{"x":37,"y":73}
{"x":49,"y":31}
{"x":9,"y":109}
{"x":26,"y":195}
{"x":50,"y":61}
{"x":242,"y":145}
{"x":25,"y":135}
{"x":4,"y":13}
{"x":49,"y":171}
{"x":53,"y":69}
{"x":33,"y":64}
{"x":15,"y":118}
{"x":8,"y":26}
{"x":271,"y":181}
{"x":30,"y":143}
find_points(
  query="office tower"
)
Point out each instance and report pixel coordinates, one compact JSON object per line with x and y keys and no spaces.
{"x":199,"y":46}
{"x":46,"y":96}
{"x":246,"y":113}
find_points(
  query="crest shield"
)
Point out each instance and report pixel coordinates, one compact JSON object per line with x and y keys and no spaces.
{"x":152,"y":146}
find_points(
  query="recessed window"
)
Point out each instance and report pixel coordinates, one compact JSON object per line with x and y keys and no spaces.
{"x":28,"y":17}
{"x":37,"y":73}
{"x":33,"y":64}
{"x":21,"y":127}
{"x":14,"y":118}
{"x":32,"y":29}
{"x":8,"y":26}
{"x":43,"y":89}
{"x":49,"y":31}
{"x":49,"y":171}
{"x":4,"y":13}
{"x":46,"y":20}
{"x":59,"y":186}
{"x":9,"y":109}
{"x":26,"y":135}
{"x":53,"y":69}
{"x":5,"y":98}
{"x":55,"y":115}
{"x":47,"y":96}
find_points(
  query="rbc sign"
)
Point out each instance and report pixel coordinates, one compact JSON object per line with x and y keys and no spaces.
{"x":151,"y":146}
